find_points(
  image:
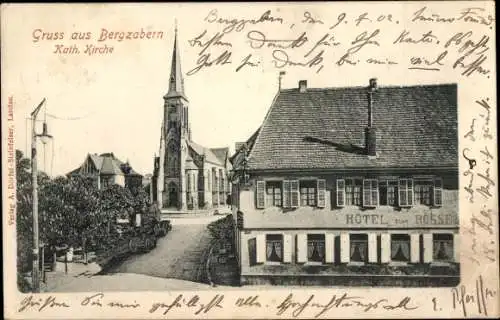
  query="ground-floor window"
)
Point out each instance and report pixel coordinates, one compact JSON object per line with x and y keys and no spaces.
{"x":442,"y":247}
{"x":316,"y":247}
{"x":358,"y":247}
{"x":274,"y":247}
{"x":400,"y":247}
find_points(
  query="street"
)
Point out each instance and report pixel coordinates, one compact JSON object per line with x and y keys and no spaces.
{"x":181,"y":254}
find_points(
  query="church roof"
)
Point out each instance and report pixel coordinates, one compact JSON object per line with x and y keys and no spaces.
{"x":210,"y":156}
{"x":220,"y":153}
{"x":323,"y":128}
{"x":190,"y":163}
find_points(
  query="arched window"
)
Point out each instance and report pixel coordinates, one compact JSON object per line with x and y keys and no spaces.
{"x":172,"y":159}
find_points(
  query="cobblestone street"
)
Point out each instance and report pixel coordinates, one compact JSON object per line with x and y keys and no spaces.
{"x":181,"y":254}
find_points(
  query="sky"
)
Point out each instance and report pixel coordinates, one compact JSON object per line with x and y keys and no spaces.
{"x":113,"y":102}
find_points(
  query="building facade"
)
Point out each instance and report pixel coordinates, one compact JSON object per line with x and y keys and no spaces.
{"x":106,"y":170}
{"x":351,"y":186}
{"x":187,"y":176}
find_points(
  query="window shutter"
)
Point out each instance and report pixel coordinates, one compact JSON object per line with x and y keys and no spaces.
{"x":385,"y":246}
{"x":294,"y":193}
{"x":367,"y":193}
{"x":287,"y":248}
{"x":374,"y":194}
{"x":456,"y":247}
{"x":286,"y":194}
{"x":261,"y":194}
{"x":402,"y":201}
{"x":410,"y":192}
{"x":370,"y":192}
{"x":372,"y":248}
{"x":321,"y":193}
{"x":345,"y":249}
{"x":301,"y":248}
{"x":261,"y":248}
{"x":329,"y":248}
{"x":340,"y":192}
{"x":415,"y":248}
{"x":428,"y":247}
{"x":405,"y":187}
{"x":438,"y":192}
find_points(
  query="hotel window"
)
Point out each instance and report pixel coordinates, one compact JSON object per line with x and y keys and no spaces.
{"x":370,"y":192}
{"x":308,"y":193}
{"x":291,"y":192}
{"x":423,"y":191}
{"x":388,"y":190}
{"x":274,"y":247}
{"x":353,"y":192}
{"x":400,"y":247}
{"x":405,"y":188}
{"x":340,"y":190}
{"x":442,"y":247}
{"x":438,"y":192}
{"x":316,"y":247}
{"x":359,"y":247}
{"x":273,"y":193}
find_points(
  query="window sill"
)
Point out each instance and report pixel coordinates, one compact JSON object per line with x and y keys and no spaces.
{"x":356,"y":263}
{"x":273,"y":263}
{"x":441,"y":263}
{"x":314,"y":263}
{"x":399,"y":263}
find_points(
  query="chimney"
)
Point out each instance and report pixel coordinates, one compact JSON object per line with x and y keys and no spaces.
{"x":370,"y":131}
{"x":302,"y":86}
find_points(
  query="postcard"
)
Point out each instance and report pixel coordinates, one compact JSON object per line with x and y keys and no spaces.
{"x":308,"y":160}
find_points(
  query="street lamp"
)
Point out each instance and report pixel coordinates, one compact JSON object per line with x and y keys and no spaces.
{"x":44,"y":137}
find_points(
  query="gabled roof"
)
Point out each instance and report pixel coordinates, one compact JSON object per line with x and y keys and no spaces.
{"x":107,"y":163}
{"x":324,"y":128}
{"x":109,"y":166}
{"x":238,"y":155}
{"x":208,"y":153}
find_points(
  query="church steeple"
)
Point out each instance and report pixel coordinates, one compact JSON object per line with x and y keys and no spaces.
{"x":176,"y":83}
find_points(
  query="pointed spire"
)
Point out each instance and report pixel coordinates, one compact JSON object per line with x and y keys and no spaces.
{"x":176,"y":83}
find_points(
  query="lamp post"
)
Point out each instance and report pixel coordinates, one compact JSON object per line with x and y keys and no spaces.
{"x":44,"y":136}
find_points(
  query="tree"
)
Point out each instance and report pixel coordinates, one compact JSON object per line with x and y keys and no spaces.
{"x":72,"y":211}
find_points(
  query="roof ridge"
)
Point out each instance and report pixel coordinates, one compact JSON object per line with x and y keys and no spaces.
{"x":363,"y":87}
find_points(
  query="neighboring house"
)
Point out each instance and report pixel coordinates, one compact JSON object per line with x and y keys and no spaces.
{"x":187,"y":176}
{"x":106,"y":169}
{"x":350,"y":184}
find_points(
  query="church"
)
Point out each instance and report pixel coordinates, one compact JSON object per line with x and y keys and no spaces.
{"x":187,"y":176}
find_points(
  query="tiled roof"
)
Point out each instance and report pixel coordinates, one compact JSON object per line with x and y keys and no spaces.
{"x":238,"y":156}
{"x":109,"y":166}
{"x":107,"y":163}
{"x":208,"y":153}
{"x":324,"y":128}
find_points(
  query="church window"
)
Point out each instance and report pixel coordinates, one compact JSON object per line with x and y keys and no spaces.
{"x":172,"y":160}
